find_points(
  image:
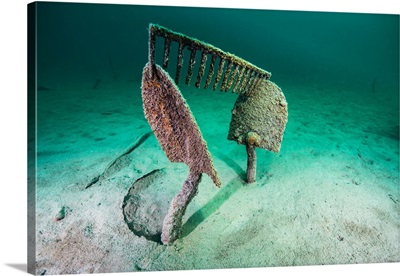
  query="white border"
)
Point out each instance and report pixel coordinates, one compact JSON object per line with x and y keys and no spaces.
{"x":13,"y":127}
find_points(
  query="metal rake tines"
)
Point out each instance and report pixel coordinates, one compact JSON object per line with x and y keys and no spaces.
{"x":231,"y":72}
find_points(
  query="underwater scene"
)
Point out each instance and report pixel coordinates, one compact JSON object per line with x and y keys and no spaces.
{"x":180,"y":138}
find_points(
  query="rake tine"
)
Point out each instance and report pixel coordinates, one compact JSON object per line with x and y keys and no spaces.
{"x":244,"y":81}
{"x":250,"y":83}
{"x":191,"y":65}
{"x":167,"y":47}
{"x":239,"y":78}
{"x":210,"y":71}
{"x":226,"y":75}
{"x":201,"y":69}
{"x":219,"y":73}
{"x":256,"y":83}
{"x":232,"y":78}
{"x":179,"y":63}
{"x":152,"y":50}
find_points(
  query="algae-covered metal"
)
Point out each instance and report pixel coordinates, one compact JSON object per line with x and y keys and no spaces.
{"x":258,"y":118}
{"x":173,"y":123}
{"x":264,"y":113}
{"x":236,"y":73}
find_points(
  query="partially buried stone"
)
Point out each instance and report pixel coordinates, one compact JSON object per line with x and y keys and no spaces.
{"x":147,"y":203}
{"x":62,"y":213}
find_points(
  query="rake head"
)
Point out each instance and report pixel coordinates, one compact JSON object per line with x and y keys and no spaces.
{"x":238,"y":75}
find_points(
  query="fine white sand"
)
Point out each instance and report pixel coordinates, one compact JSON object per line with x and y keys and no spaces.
{"x":331,"y":196}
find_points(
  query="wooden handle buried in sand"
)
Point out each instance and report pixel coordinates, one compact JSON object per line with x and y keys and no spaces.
{"x":251,"y":163}
{"x":173,"y":220}
{"x":252,"y":141}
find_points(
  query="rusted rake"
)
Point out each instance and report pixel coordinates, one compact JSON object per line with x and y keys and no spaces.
{"x":238,"y":75}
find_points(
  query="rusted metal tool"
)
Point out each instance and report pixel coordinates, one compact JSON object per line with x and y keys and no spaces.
{"x":258,"y":119}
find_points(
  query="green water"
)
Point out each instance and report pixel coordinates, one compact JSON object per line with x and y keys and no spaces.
{"x":97,"y":46}
{"x":343,"y":49}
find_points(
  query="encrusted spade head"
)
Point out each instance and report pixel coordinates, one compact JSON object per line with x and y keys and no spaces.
{"x":173,"y":123}
{"x":263,"y":115}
